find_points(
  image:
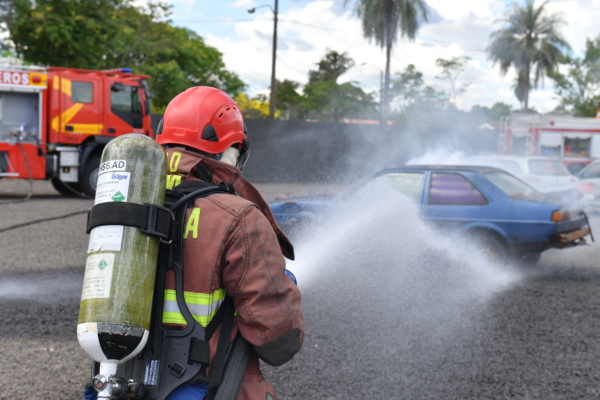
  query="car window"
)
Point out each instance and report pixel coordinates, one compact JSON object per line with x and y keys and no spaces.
{"x":510,"y":185}
{"x":509,"y":166}
{"x":450,"y":188}
{"x":547,"y":168}
{"x":408,"y":183}
{"x":592,"y":172}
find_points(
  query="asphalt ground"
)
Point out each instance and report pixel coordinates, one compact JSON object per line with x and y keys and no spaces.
{"x":422,"y":317}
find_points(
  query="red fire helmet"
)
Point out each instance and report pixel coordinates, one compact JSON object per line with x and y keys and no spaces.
{"x":204,"y":118}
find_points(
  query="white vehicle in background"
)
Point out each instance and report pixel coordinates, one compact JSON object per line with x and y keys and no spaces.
{"x":543,"y":173}
{"x":590,"y":177}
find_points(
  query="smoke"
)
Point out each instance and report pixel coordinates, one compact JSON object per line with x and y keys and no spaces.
{"x":441,"y":156}
{"x":373,"y":251}
{"x":41,"y":288}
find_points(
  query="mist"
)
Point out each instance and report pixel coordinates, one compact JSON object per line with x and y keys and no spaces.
{"x":376,"y":250}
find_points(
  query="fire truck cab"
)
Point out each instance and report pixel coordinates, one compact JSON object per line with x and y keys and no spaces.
{"x":574,"y":140}
{"x":55,"y":122}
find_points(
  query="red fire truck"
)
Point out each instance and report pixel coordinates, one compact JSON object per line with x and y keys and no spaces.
{"x":575,"y":140}
{"x":54,"y":122}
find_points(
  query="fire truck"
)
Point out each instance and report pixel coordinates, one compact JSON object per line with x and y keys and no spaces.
{"x":574,"y":140}
{"x":55,"y":122}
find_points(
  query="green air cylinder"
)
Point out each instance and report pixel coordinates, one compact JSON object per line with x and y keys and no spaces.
{"x":118,"y":286}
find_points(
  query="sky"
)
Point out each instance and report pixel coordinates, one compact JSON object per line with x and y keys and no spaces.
{"x":307,"y":28}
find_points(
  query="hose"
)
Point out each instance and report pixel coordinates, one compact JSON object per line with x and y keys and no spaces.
{"x":37,"y":221}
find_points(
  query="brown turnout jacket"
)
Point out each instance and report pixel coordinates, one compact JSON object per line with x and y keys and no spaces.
{"x":233,"y":243}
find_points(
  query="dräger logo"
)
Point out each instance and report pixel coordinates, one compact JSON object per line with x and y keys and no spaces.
{"x":118,"y":165}
{"x":119,"y":176}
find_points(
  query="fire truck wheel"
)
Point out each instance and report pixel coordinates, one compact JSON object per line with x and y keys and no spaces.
{"x":90,"y":176}
{"x":61,"y":187}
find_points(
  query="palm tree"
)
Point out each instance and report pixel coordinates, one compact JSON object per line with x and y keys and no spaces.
{"x":382,"y":20}
{"x":530,"y":42}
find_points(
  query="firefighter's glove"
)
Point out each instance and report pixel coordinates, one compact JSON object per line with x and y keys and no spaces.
{"x":90,"y":393}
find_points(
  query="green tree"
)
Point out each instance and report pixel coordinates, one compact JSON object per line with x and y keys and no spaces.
{"x":410,"y":91}
{"x":331,"y":101}
{"x":579,"y":88}
{"x":288,"y":99}
{"x":451,"y":69}
{"x":382,"y":20}
{"x":331,"y":67}
{"x":102,"y":34}
{"x":531,"y":43}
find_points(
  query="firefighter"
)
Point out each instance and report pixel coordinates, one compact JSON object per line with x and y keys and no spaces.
{"x":232,"y":245}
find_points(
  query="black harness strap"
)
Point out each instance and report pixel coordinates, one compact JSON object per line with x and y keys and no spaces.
{"x":216,"y":374}
{"x":150,"y":218}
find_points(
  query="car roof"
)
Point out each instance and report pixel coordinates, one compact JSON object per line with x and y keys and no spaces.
{"x":471,"y":168}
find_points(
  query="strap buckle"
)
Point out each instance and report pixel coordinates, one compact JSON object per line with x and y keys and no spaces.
{"x":155,"y":220}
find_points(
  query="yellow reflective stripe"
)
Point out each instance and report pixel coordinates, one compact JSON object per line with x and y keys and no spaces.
{"x":177,"y":318}
{"x":203,"y":306}
{"x":197,"y":298}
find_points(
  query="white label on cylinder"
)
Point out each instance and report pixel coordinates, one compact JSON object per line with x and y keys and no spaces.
{"x":112,"y":186}
{"x":106,"y":238}
{"x":98,"y":276}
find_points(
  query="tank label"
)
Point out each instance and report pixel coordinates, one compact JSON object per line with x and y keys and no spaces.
{"x":98,"y":276}
{"x":112,"y":186}
{"x":106,"y":238}
{"x":151,"y":376}
{"x":111,"y":166}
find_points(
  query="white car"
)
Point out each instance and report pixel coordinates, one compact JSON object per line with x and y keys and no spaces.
{"x":543,"y":173}
{"x":590,"y":177}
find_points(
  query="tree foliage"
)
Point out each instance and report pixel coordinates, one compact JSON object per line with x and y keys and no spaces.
{"x":531,"y":43}
{"x":255,"y":107}
{"x":331,"y":67}
{"x":451,"y":69}
{"x":331,"y":101}
{"x":103,"y":34}
{"x":579,"y":87}
{"x":411,"y":93}
{"x":382,"y":20}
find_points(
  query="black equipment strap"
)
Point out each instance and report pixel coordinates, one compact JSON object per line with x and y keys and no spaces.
{"x":151,"y":219}
{"x":216,"y":374}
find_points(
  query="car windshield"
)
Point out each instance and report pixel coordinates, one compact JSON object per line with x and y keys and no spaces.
{"x":510,"y":185}
{"x":548,"y":168}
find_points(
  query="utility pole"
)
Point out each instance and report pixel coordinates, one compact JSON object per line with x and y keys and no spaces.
{"x":273,"y":80}
{"x":273,"y":96}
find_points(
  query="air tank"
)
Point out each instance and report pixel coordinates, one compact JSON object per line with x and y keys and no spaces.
{"x":118,"y":286}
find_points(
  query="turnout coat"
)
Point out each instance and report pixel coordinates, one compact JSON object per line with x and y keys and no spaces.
{"x":233,"y":246}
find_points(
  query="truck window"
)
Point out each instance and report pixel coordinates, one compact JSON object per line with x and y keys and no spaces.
{"x":125,"y":103}
{"x":453,"y":189}
{"x":577,"y":147}
{"x":82,"y":92}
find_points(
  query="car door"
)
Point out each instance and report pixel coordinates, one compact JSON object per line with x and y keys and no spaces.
{"x":591,"y":175}
{"x":451,"y":200}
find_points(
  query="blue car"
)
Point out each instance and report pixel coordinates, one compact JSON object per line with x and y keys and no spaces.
{"x":505,"y":215}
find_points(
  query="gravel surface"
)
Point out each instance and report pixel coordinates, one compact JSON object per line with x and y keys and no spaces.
{"x":421,"y":319}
